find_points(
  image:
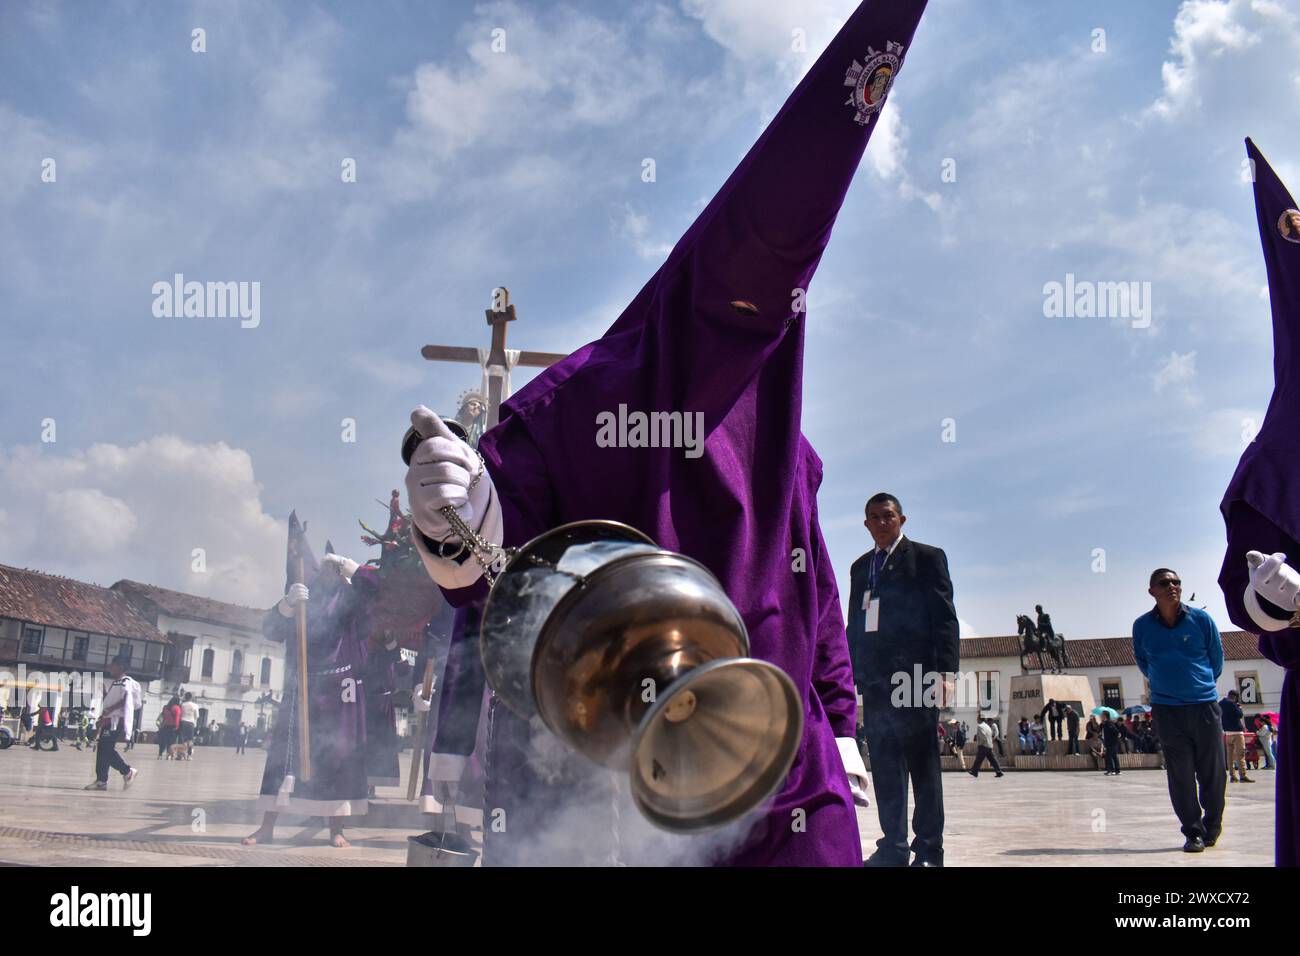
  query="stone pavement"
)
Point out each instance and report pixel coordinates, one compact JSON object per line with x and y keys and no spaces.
{"x":194,"y":813}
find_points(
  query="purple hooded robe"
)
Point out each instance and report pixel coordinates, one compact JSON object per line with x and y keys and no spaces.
{"x":336,"y":632}
{"x":717,"y":334}
{"x":1261,"y":507}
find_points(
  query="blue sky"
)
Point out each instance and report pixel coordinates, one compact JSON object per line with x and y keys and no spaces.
{"x":523,"y":168}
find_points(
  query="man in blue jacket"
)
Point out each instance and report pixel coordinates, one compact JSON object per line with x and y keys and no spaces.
{"x":1179,"y":651}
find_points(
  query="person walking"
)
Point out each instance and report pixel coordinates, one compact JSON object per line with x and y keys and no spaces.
{"x":902,"y":620}
{"x":1110,"y":738}
{"x":169,"y":728}
{"x":121,"y":701}
{"x":241,"y":739}
{"x":44,"y":729}
{"x":955,"y":742}
{"x":984,"y":738}
{"x":1072,"y":728}
{"x":1264,"y":737}
{"x":189,"y":724}
{"x":1234,"y":737}
{"x":1180,"y":653}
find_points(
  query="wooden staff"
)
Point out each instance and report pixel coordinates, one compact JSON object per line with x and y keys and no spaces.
{"x":304,"y":730}
{"x":421,"y":743}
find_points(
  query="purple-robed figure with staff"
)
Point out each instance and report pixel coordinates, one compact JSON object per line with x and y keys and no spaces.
{"x":336,"y":632}
{"x":717,"y":337}
{"x":1262,"y":504}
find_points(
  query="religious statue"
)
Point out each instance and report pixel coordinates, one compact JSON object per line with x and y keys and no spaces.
{"x":472,"y":413}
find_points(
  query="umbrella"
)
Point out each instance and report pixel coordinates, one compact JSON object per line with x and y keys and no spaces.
{"x":1098,"y":711}
{"x":1135,"y":709}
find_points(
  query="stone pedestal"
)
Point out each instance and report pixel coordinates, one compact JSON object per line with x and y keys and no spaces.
{"x":1031,"y":692}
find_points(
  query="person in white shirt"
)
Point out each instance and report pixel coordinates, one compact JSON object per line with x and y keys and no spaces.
{"x":121,"y":701}
{"x":984,"y":734}
{"x":189,"y":722}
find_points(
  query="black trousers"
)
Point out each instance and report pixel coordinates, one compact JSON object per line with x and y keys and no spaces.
{"x":1112,"y":760}
{"x":106,"y":755}
{"x":902,"y":745}
{"x":1191,"y":736}
{"x":984,"y":753}
{"x":1074,"y":740}
{"x":1055,"y":723}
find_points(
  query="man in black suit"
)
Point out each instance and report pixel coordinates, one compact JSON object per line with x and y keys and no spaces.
{"x":903,"y":628}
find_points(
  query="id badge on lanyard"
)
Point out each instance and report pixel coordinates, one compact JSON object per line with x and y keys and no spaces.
{"x":871,"y":603}
{"x":871,"y":611}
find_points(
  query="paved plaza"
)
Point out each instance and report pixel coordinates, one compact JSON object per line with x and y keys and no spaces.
{"x":194,"y":813}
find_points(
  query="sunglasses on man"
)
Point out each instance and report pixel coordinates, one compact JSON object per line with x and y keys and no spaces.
{"x":1169,"y":583}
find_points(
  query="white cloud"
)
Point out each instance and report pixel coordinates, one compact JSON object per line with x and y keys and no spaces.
{"x":544,"y":81}
{"x":635,"y":227}
{"x":1224,"y":433}
{"x":100,"y":523}
{"x":762,"y":32}
{"x":138,"y":511}
{"x":1214,"y":40}
{"x":887,"y":153}
{"x":1178,"y":369}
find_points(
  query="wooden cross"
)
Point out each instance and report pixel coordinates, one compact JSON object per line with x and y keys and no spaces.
{"x":497,"y":317}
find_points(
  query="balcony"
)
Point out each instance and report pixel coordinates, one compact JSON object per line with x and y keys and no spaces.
{"x":239,"y":681}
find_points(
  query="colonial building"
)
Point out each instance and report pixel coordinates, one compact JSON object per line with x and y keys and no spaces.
{"x":220,"y":656}
{"x":54,"y":631}
{"x":1111,"y":669}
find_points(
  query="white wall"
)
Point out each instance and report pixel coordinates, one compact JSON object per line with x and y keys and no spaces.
{"x":214,"y":693}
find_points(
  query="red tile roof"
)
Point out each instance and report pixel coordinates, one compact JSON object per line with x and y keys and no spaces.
{"x":151,"y":599}
{"x":1101,"y":651}
{"x":62,"y":602}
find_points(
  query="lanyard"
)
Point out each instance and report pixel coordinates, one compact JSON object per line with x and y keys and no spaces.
{"x":871,"y":570}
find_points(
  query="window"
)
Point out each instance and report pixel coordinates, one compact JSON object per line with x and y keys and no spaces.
{"x":208,"y":657}
{"x":32,"y":639}
{"x":237,"y":664}
{"x":80,"y":646}
{"x":1112,"y":694}
{"x":126,"y":650}
{"x":98,"y":653}
{"x":266,"y":671}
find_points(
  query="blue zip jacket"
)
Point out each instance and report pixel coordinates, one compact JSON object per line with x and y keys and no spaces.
{"x":1182,"y":663}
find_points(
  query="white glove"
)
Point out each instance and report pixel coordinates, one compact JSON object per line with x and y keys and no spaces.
{"x":297,"y":594}
{"x":856,"y":770}
{"x":422,"y":706}
{"x":441,"y":472}
{"x":1273,"y":579}
{"x":345,"y":567}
